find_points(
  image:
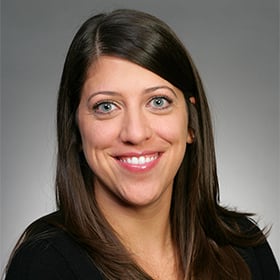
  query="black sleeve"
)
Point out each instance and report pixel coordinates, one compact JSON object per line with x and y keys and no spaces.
{"x":266,"y":262}
{"x":39,"y":261}
{"x":260,"y":259}
{"x":57,"y":258}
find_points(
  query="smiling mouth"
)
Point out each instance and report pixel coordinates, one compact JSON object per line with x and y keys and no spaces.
{"x":138,"y":160}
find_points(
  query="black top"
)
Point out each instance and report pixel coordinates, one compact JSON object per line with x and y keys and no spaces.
{"x":59,"y":257}
{"x":55,"y":257}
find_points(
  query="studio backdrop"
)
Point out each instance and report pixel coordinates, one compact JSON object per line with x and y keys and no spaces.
{"x":234,"y":43}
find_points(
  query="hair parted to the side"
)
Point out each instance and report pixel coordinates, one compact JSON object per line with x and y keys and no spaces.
{"x":204,"y":240}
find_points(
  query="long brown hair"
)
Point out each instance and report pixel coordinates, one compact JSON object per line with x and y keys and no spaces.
{"x":205,"y":233}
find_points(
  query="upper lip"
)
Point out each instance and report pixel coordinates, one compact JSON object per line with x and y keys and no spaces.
{"x":136,"y":154}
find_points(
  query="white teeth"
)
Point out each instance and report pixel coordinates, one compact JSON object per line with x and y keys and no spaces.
{"x":138,"y":160}
{"x":141,"y":160}
{"x":134,"y":160}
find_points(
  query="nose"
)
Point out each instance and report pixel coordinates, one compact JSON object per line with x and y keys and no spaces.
{"x":136,"y":127}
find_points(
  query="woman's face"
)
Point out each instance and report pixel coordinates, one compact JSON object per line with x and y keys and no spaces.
{"x":134,"y":131}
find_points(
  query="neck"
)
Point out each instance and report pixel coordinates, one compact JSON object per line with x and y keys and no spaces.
{"x":146,"y":234}
{"x":146,"y":231}
{"x":142,"y":229}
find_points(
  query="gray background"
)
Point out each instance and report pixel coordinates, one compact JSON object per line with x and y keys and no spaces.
{"x":235,"y":46}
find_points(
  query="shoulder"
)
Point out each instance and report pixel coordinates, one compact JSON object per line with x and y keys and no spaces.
{"x":259,"y":257}
{"x":51,"y":254}
{"x":261,"y":261}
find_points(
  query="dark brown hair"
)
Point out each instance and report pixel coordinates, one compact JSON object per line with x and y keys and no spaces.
{"x":205,"y":233}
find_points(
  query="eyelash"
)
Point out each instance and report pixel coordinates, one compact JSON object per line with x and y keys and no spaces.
{"x":162,"y":97}
{"x":97,"y":110}
{"x":167,"y":99}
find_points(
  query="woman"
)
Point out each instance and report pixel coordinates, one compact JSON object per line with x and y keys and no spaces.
{"x":136,"y":183}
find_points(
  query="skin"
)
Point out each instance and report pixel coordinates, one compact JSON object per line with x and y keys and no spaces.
{"x":134,"y":131}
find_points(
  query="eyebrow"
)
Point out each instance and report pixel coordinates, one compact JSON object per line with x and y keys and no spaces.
{"x":105,"y":92}
{"x":148,"y":90}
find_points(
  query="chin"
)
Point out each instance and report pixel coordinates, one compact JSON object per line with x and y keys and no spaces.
{"x":140,"y":201}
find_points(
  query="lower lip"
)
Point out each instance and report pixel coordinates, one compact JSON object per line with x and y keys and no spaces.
{"x":139,"y":167}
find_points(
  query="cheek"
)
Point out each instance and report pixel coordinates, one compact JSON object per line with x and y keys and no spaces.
{"x":97,"y":135}
{"x":173,"y":129}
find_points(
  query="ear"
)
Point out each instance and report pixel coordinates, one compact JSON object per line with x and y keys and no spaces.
{"x":192,"y":100}
{"x":190,"y":136}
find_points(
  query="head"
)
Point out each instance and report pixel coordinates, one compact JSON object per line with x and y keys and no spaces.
{"x":146,"y":41}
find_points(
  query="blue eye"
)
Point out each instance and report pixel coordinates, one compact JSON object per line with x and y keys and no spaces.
{"x":160,"y":102}
{"x":104,"y":107}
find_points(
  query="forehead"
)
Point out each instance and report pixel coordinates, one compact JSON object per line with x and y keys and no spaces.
{"x":114,"y":71}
